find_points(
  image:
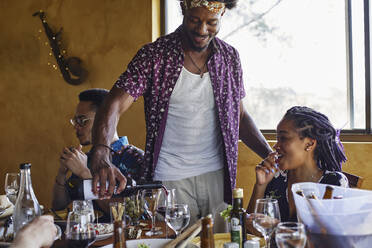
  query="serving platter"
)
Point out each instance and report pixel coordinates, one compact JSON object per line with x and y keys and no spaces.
{"x":221,"y":238}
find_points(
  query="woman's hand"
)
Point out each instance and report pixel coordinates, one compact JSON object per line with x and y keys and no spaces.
{"x":266,"y":170}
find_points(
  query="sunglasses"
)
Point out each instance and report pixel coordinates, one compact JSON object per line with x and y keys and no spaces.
{"x":81,"y":121}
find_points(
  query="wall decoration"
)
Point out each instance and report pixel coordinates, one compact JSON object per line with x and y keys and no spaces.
{"x":71,"y":68}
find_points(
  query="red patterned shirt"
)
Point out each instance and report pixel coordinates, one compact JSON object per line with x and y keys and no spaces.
{"x":153,"y":73}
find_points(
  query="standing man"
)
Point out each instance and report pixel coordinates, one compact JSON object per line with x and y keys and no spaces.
{"x":192,"y":86}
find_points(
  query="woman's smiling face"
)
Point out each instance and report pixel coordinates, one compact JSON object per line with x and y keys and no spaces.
{"x":292,"y":149}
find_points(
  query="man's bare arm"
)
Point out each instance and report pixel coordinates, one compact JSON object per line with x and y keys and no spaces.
{"x":251,"y":135}
{"x":105,"y":123}
{"x":61,"y":197}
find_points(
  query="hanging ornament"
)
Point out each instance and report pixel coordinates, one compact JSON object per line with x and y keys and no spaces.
{"x":71,"y":68}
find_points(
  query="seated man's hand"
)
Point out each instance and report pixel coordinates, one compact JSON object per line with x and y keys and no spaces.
{"x":40,"y":232}
{"x":75,"y":160}
{"x":103,"y":171}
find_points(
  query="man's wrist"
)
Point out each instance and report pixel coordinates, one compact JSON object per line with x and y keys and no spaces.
{"x":86,"y":174}
{"x":61,"y":180}
{"x":102,"y":147}
{"x":62,"y":171}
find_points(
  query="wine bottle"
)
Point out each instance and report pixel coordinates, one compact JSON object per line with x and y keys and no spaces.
{"x":237,"y":220}
{"x":328,"y":192}
{"x":207,"y":236}
{"x":82,"y":189}
{"x":27,"y":206}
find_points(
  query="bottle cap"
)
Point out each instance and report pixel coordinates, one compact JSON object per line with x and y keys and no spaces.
{"x":230,"y":245}
{"x":238,"y":193}
{"x":251,"y":244}
{"x":207,"y":220}
{"x":25,"y":166}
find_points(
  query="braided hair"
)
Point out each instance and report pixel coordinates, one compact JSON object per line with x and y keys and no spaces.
{"x":329,"y":152}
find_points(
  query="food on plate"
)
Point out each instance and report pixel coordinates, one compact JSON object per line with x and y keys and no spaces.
{"x":143,"y":245}
{"x":103,"y":228}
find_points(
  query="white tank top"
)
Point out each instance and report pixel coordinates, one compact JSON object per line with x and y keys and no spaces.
{"x":192,"y":143}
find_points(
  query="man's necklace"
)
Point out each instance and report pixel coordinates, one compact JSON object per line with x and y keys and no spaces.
{"x":201,"y":70}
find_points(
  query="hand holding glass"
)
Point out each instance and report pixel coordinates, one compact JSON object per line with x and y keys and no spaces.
{"x":266,"y":217}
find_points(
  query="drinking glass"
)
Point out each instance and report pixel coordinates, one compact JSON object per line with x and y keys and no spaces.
{"x":266,"y":217}
{"x":290,"y":235}
{"x":12,"y":186}
{"x":134,"y":208}
{"x":84,"y":207}
{"x":150,"y":202}
{"x":177,"y":217}
{"x":167,"y":198}
{"x":80,"y":230}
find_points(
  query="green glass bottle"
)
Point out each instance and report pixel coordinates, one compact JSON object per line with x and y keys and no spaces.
{"x":237,"y":221}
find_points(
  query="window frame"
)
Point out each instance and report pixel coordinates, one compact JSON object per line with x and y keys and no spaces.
{"x":354,"y":134}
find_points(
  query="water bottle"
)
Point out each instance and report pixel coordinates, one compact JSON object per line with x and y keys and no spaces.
{"x":27,"y":207}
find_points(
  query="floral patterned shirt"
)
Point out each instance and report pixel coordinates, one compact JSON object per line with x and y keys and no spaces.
{"x":153,"y":73}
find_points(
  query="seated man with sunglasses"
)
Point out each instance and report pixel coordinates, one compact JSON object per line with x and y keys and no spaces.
{"x":127,"y":158}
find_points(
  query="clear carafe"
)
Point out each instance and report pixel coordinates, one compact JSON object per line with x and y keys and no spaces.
{"x":27,"y":207}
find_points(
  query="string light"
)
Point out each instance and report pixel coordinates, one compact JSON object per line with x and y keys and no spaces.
{"x":47,"y":44}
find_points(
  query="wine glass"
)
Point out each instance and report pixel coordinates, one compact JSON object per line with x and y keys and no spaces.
{"x":266,"y":217}
{"x":84,"y":207}
{"x":12,"y":186}
{"x":80,"y":230}
{"x":167,"y":198}
{"x":150,"y":202}
{"x":290,"y":235}
{"x":177,"y":217}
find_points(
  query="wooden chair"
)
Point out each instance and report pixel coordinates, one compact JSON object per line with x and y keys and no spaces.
{"x":354,"y":180}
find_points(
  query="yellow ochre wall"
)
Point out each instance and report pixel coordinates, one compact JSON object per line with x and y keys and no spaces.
{"x":36,"y":103}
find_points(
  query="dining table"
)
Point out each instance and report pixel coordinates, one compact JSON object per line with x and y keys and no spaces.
{"x":166,"y":233}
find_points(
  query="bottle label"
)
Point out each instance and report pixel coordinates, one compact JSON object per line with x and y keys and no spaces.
{"x":236,"y":231}
{"x":88,"y":193}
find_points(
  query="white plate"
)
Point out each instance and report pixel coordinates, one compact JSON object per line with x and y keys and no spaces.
{"x":152,"y":243}
{"x":106,"y":229}
{"x":7,"y":212}
{"x":104,"y":236}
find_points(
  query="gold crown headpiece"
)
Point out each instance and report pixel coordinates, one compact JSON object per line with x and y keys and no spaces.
{"x":212,"y":6}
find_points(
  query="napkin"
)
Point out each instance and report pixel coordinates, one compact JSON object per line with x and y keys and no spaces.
{"x":4,"y":202}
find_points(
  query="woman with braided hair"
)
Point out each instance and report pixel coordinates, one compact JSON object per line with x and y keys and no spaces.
{"x":308,"y":149}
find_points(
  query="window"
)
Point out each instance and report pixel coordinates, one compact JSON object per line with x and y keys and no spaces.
{"x":298,"y":52}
